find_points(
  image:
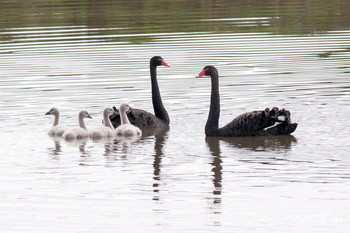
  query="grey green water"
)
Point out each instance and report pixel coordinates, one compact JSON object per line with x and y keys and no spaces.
{"x":93,"y":54}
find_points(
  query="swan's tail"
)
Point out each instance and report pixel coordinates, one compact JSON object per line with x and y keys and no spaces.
{"x":95,"y":134}
{"x":60,"y":132}
{"x":69,"y":135}
{"x":279,"y":122}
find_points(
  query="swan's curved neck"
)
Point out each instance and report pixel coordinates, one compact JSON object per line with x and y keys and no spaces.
{"x":107,"y":121}
{"x":159,"y":110}
{"x":82,"y":123}
{"x":124,"y":118}
{"x":214,"y":113}
{"x":57,"y":119}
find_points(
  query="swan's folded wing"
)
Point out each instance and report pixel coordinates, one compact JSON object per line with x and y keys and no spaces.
{"x":248,"y":124}
{"x":137,"y":117}
{"x":254,"y":123}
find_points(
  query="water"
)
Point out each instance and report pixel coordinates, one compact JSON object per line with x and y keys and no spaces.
{"x":92,"y":55}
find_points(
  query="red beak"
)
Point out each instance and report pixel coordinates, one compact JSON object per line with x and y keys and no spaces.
{"x":164,"y":63}
{"x":201,"y":73}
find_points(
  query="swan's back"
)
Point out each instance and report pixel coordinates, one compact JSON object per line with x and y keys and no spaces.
{"x":97,"y":133}
{"x":139,"y":118}
{"x":101,"y":132}
{"x":57,"y":130}
{"x":76,"y":133}
{"x":255,"y":124}
{"x":128,"y":130}
{"x":70,"y":135}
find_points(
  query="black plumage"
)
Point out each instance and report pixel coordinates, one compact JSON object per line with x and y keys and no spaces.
{"x":257,"y":123}
{"x":142,"y":118}
{"x":139,"y":118}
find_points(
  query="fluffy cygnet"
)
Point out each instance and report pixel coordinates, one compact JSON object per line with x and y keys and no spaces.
{"x":125,"y":128}
{"x":107,"y":130}
{"x":56,"y":129}
{"x":78,"y":132}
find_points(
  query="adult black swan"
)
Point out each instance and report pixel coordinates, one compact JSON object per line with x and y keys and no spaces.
{"x":256,"y":123}
{"x":144,"y":119}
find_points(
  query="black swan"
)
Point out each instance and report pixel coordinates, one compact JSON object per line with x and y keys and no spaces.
{"x":256,"y":123}
{"x":125,"y":128}
{"x":144,"y":119}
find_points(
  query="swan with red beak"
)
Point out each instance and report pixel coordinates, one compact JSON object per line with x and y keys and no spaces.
{"x":257,"y":123}
{"x":142,"y":118}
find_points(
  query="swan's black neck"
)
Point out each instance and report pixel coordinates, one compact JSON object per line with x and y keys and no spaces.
{"x":212,"y":124}
{"x":159,"y":110}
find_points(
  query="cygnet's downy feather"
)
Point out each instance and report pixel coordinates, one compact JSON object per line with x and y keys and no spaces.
{"x":56,"y":129}
{"x":107,"y":130}
{"x":126,"y":129}
{"x":78,"y":132}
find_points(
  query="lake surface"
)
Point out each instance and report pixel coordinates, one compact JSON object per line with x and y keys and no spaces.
{"x":93,"y":54}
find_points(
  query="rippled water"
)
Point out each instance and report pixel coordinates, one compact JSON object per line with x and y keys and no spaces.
{"x":176,"y":180}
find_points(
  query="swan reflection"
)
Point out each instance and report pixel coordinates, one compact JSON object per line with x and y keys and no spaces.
{"x":260,"y":143}
{"x":125,"y":143}
{"x":161,"y":137}
{"x":278,"y":143}
{"x":214,"y":147}
{"x":57,"y":148}
{"x":79,"y":143}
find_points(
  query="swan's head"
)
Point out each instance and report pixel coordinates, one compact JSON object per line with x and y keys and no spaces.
{"x":158,"y":61}
{"x":53,"y":111}
{"x":84,"y":114}
{"x":207,"y":71}
{"x":124,"y":107}
{"x":109,"y":112}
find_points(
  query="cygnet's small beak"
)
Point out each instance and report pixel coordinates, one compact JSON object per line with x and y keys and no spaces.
{"x":48,"y":113}
{"x":89,"y":116}
{"x":115,"y":113}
